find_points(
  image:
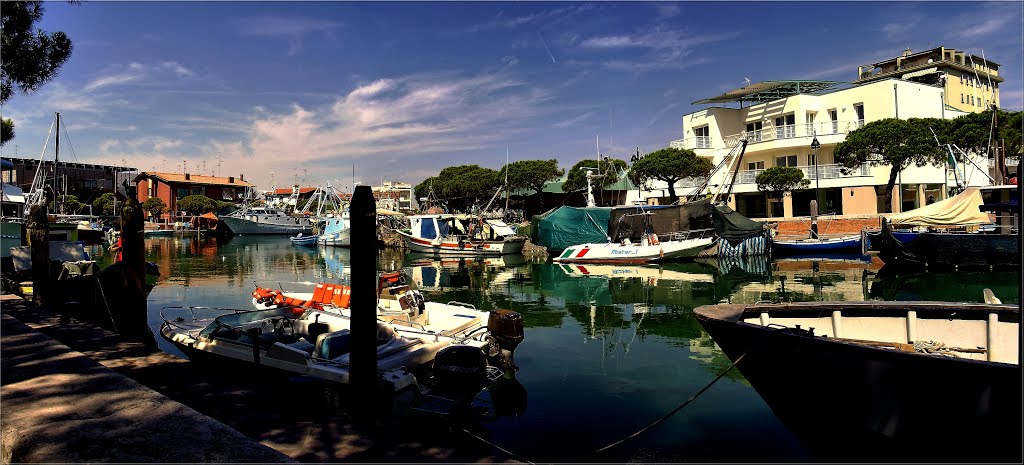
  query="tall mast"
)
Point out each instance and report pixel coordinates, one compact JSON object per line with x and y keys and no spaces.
{"x":56,"y":160}
{"x":506,"y":181}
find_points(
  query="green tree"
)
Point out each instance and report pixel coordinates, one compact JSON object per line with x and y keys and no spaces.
{"x":31,"y":57}
{"x":669,"y":165}
{"x":154,"y":206}
{"x":778,"y":180}
{"x":531,"y":174}
{"x":972,"y":132}
{"x":196,"y":204}
{"x":104,"y":203}
{"x":894,"y":142}
{"x":577,"y":178}
{"x":462,"y":186}
{"x":70,"y":203}
{"x":423,"y":189}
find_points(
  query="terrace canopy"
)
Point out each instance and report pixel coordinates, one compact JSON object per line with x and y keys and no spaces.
{"x":767,"y":91}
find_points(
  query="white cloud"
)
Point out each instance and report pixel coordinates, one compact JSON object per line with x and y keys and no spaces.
{"x":609,"y":42}
{"x":988,"y":27}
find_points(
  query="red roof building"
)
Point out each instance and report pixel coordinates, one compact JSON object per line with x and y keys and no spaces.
{"x":169,"y":187}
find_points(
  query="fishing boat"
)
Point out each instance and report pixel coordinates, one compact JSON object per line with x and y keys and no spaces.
{"x":948,"y":244}
{"x":303,"y":240}
{"x":266,"y":220}
{"x":399,"y":304}
{"x":883,"y":378}
{"x":465,"y":235}
{"x":336,"y":230}
{"x":849,"y":243}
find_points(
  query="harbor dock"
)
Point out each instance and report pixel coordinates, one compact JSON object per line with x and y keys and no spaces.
{"x":74,"y":392}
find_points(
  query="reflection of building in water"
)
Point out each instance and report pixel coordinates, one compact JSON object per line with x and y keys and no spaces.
{"x":809,"y":280}
{"x":431,"y":273}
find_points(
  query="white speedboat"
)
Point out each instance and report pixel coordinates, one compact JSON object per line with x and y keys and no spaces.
{"x":400,"y":305}
{"x":461,"y":235}
{"x":648,"y":249}
{"x":311,"y":343}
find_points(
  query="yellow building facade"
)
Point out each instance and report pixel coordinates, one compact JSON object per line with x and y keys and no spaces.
{"x":779,"y":132}
{"x":971,"y":83}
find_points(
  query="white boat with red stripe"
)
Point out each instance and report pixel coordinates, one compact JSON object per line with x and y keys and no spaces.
{"x":465,"y":235}
{"x":648,"y":249}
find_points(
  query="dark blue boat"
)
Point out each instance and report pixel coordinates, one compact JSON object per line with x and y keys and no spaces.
{"x":832,"y":244}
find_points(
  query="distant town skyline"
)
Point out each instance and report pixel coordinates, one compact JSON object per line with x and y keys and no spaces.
{"x":300,"y":92}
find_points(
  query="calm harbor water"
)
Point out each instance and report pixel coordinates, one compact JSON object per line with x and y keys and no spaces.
{"x":608,"y":349}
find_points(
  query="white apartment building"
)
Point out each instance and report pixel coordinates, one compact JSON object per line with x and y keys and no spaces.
{"x":395,"y":196}
{"x":781,"y":120}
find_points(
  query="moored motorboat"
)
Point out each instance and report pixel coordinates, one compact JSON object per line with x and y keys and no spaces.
{"x":496,"y":331}
{"x":849,"y":243}
{"x":461,"y":235}
{"x":879,"y":379}
{"x":309,"y":342}
{"x":303,"y":240}
{"x":336,"y":230}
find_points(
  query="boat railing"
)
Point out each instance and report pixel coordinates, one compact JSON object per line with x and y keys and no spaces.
{"x":462,"y":304}
{"x":689,"y":234}
{"x":192,"y":313}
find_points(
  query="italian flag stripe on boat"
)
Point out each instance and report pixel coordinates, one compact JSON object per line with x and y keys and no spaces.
{"x":567,"y":253}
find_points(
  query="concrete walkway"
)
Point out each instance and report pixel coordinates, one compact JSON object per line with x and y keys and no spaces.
{"x":61,"y":406}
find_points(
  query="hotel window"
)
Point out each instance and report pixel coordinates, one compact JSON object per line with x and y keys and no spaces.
{"x":703,"y":137}
{"x":754,"y":131}
{"x":197,"y":191}
{"x":785,"y":126}
{"x":755,"y":165}
{"x":962,"y":98}
{"x":961,"y":78}
{"x":834,"y":117}
{"x":858,"y":108}
{"x":182,"y":192}
{"x":786,"y":161}
{"x":810,"y":159}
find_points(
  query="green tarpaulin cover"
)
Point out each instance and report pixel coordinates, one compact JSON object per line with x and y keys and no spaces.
{"x":565,"y":226}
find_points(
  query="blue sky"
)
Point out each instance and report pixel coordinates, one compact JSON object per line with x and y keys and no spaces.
{"x":287,"y":92}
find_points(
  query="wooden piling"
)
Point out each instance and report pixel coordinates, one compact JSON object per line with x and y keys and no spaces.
{"x":127,"y":301}
{"x":363,"y":374}
{"x":37,"y":225}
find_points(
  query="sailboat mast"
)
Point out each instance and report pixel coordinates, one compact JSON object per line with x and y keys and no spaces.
{"x":506,"y":181}
{"x":56,"y":161}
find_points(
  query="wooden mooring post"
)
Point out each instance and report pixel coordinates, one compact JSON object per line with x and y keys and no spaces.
{"x":37,"y":225}
{"x":363,"y":374}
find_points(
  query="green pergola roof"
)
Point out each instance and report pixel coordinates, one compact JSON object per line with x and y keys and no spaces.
{"x":766,"y":91}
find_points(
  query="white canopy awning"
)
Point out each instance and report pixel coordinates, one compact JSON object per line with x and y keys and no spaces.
{"x":959,"y":210}
{"x":921,"y":72}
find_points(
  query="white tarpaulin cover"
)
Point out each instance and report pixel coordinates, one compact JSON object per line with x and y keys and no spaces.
{"x":959,"y":210}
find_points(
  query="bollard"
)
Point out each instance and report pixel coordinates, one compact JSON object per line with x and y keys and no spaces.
{"x":129,"y":306}
{"x":37,"y":225}
{"x":814,"y":219}
{"x":363,"y":367}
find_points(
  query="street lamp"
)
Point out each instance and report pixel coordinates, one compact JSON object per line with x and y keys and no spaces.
{"x":815,"y":145}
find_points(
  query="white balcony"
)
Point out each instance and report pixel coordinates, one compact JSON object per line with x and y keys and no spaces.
{"x":830,"y":171}
{"x":770,"y":132}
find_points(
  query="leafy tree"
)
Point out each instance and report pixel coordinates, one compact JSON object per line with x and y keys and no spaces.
{"x":196,"y":204}
{"x":669,"y":165}
{"x":31,"y":57}
{"x":104,"y":203}
{"x":971,"y":131}
{"x":422,"y":190}
{"x":154,"y":206}
{"x":781,"y":179}
{"x":577,"y":178}
{"x":531,"y":174}
{"x":70,"y":203}
{"x":894,"y":142}
{"x":461,"y":186}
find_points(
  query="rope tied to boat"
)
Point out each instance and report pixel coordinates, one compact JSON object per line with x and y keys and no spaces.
{"x":940,"y":348}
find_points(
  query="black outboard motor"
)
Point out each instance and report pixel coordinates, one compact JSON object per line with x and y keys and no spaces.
{"x":460,"y":367}
{"x":506,"y":327}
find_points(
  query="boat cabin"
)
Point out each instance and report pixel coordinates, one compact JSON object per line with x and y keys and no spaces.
{"x":458,"y":226}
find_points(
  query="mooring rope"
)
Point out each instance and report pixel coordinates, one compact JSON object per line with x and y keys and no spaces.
{"x":669,"y":414}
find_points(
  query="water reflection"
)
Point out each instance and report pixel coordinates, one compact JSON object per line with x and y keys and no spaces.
{"x":602,"y":342}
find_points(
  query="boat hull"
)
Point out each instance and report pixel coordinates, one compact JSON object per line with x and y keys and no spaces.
{"x":847,"y":243}
{"x":509,"y":246}
{"x":288,"y":226}
{"x":610,"y":253}
{"x":856,"y":402}
{"x":937,"y":250}
{"x":337,"y":239}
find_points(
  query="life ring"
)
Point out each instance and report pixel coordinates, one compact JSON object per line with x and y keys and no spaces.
{"x":653,"y":238}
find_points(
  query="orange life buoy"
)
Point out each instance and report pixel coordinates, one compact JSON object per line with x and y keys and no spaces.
{"x":653,"y":238}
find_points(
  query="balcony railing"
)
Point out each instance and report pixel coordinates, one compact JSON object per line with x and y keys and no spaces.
{"x":830,"y":171}
{"x":771,"y":132}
